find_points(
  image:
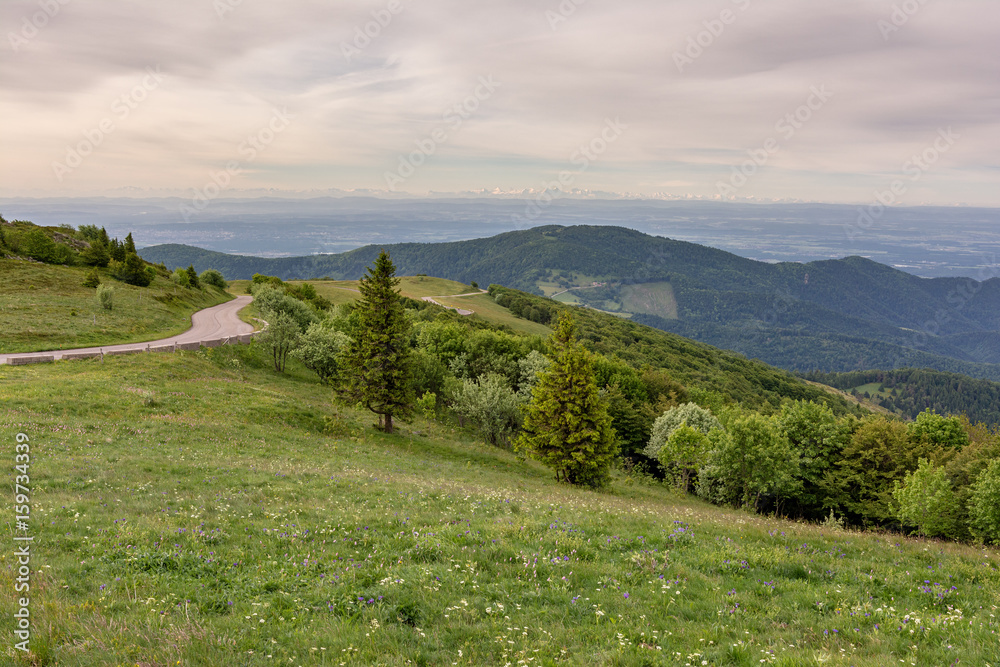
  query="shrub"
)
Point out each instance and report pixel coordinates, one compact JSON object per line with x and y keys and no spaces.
{"x":926,"y":500}
{"x":984,"y":507}
{"x":938,"y":431}
{"x":427,"y":405}
{"x":96,"y":254}
{"x":180,"y":277}
{"x":106,"y":296}
{"x":320,"y":350}
{"x":492,"y":406}
{"x":752,"y":458}
{"x":36,"y":244}
{"x":93,"y":278}
{"x":89,"y":233}
{"x":272,"y":300}
{"x":213,"y":278}
{"x":529,"y":367}
{"x":259,"y":279}
{"x":132,"y":271}
{"x":427,"y":373}
{"x":693,"y":415}
{"x":686,"y":449}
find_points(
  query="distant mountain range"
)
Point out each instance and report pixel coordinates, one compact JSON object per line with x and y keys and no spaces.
{"x":833,"y":315}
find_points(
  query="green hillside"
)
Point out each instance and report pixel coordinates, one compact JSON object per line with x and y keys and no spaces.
{"x":191,"y":510}
{"x":46,"y":307}
{"x":908,"y":392}
{"x":835,"y":315}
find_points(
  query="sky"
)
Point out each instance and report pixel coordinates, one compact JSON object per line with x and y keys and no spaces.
{"x":849,"y":101}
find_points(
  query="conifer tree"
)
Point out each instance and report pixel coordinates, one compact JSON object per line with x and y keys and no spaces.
{"x":378,"y":357}
{"x":566,"y":425}
{"x":117,"y":250}
{"x":129,"y":245}
{"x":96,"y":254}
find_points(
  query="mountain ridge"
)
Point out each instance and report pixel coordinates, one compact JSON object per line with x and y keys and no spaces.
{"x":854,"y":304}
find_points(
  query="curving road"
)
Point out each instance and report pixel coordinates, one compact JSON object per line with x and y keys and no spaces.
{"x":460,"y":311}
{"x":215,"y":322}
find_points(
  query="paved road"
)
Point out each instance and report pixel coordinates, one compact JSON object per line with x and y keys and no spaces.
{"x":208,"y":324}
{"x":460,"y":311}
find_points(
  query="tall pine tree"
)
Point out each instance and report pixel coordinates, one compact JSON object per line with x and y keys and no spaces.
{"x":566,"y":425}
{"x":378,"y":357}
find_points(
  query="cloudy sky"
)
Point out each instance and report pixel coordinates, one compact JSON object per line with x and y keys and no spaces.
{"x":747,"y":98}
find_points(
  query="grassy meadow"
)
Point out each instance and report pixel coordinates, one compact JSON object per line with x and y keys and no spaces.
{"x":46,"y":307}
{"x":417,"y":287}
{"x":200,"y":509}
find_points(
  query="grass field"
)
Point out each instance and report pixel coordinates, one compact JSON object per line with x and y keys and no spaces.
{"x":486,"y":308}
{"x":198,"y":509}
{"x":650,"y":298}
{"x":550,"y":287}
{"x":417,"y":287}
{"x":45,"y":307}
{"x":874,"y":389}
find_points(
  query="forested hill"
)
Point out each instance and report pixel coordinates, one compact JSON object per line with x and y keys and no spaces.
{"x":909,"y":391}
{"x":833,"y":315}
{"x":517,"y":259}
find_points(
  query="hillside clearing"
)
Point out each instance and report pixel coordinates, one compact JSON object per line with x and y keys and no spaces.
{"x":45,"y":307}
{"x":201,"y":510}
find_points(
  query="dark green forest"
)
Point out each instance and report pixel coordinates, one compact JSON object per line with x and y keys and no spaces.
{"x":833,"y":315}
{"x":909,"y":391}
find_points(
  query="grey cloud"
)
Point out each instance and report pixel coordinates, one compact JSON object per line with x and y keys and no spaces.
{"x":608,"y":58}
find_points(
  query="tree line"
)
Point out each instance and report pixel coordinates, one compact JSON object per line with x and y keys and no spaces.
{"x":92,"y":246}
{"x":908,"y":391}
{"x":572,"y":402}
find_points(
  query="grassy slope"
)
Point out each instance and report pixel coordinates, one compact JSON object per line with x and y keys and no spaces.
{"x":835,"y":315}
{"x":195,"y":513}
{"x":486,"y":308}
{"x":654,"y":298}
{"x":417,"y":287}
{"x":38,"y":302}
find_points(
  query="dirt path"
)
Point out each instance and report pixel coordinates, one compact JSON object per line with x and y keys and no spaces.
{"x":212,"y":323}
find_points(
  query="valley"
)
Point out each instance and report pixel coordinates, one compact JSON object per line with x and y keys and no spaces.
{"x":212,"y":503}
{"x":831,"y":316}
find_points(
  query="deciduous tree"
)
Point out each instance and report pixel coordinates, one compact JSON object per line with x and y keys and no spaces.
{"x":984,"y":507}
{"x":926,"y":501}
